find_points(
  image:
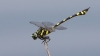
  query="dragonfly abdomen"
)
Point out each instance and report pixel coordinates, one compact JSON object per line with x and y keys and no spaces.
{"x":83,"y":12}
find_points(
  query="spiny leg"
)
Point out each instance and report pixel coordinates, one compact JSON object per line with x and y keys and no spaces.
{"x":46,"y":38}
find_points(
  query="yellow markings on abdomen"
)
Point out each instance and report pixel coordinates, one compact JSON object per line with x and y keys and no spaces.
{"x":82,"y":12}
{"x":70,"y":16}
{"x":58,"y":23}
{"x":78,"y":14}
{"x":64,"y":20}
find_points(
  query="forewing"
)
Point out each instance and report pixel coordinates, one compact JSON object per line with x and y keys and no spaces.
{"x":38,"y":24}
{"x":50,"y":24}
{"x":60,"y":28}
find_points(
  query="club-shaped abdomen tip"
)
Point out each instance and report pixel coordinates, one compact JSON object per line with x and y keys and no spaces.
{"x":88,"y":8}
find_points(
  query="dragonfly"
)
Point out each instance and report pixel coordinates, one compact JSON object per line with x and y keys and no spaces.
{"x":46,"y":27}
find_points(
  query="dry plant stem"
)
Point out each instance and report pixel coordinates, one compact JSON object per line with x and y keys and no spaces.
{"x":46,"y":46}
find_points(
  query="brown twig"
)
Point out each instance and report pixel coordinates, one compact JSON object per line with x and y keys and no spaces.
{"x":46,"y":46}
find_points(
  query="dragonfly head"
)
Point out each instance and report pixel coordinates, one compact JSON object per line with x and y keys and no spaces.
{"x":34,"y":36}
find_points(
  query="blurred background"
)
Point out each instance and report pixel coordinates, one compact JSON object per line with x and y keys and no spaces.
{"x":82,"y":37}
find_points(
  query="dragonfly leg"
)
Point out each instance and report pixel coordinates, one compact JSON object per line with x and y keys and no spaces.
{"x":46,"y":38}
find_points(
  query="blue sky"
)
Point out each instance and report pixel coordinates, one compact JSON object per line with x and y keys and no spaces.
{"x":82,"y":37}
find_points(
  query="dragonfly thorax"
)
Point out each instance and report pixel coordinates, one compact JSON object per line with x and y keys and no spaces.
{"x":41,"y":32}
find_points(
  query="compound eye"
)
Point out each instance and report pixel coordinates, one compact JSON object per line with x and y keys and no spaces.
{"x":32,"y":35}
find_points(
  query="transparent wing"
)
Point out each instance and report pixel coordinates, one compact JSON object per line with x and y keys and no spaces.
{"x":38,"y":24}
{"x":60,"y":28}
{"x":42,"y":24}
{"x":49,"y":24}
